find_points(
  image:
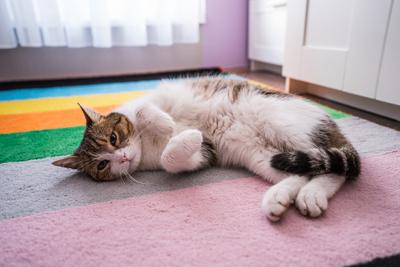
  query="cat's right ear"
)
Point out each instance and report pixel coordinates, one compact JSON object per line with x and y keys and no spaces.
{"x":91,"y":115}
{"x":71,"y":162}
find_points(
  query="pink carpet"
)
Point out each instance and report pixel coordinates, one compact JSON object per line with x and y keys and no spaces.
{"x":215,"y":224}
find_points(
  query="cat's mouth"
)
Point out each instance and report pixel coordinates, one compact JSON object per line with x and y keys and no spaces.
{"x":128,"y":165}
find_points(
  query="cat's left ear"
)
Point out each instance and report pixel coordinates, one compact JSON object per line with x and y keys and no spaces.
{"x":71,"y":162}
{"x":91,"y":115}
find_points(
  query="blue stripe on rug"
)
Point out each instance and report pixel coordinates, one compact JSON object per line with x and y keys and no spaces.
{"x":60,"y":91}
{"x":88,"y":89}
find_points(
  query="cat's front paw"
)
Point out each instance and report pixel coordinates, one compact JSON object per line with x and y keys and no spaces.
{"x":311,"y":201}
{"x":155,"y":120}
{"x":275,"y":202}
{"x":185,"y":144}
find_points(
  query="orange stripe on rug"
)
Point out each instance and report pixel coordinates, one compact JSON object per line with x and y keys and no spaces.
{"x":15,"y":123}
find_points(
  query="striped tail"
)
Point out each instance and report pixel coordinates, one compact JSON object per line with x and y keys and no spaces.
{"x":343,"y":161}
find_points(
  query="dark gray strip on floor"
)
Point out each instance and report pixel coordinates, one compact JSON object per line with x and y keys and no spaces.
{"x":36,"y":186}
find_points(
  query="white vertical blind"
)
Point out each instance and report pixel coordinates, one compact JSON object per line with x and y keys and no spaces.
{"x":99,"y":23}
{"x":26,"y":22}
{"x":7,"y":36}
{"x":51,"y":25}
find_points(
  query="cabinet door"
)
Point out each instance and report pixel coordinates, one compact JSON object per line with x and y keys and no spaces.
{"x":267,"y":25}
{"x":389,"y":85}
{"x":329,"y":42}
{"x":365,"y":50}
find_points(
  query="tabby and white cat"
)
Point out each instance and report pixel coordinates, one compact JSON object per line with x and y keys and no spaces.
{"x":191,"y":124}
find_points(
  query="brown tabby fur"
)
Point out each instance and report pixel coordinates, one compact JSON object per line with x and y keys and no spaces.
{"x":97,"y":139}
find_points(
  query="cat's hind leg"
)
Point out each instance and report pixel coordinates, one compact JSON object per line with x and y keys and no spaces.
{"x":282,"y":194}
{"x":312,"y":199}
{"x":187,"y":151}
{"x":311,"y":196}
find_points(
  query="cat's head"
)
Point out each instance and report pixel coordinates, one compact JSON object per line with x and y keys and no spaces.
{"x":110,"y":147}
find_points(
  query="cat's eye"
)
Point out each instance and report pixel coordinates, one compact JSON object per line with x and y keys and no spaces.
{"x":113,"y":139}
{"x":102,"y":164}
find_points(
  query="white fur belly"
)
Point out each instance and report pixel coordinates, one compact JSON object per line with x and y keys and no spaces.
{"x":254,"y":120}
{"x":273,"y":123}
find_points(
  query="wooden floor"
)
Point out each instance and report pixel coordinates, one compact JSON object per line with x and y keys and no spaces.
{"x":278,"y":81}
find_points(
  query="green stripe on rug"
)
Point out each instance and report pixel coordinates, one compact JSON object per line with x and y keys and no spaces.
{"x":335,"y":114}
{"x":39,"y":144}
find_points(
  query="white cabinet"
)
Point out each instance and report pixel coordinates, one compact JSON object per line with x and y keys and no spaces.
{"x":367,"y":37}
{"x":267,"y":24}
{"x":389,"y":86}
{"x":340,"y":44}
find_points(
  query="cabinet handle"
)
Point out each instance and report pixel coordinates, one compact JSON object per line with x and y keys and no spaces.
{"x":279,"y":5}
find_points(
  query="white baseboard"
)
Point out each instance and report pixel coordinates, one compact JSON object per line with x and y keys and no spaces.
{"x":363,"y":103}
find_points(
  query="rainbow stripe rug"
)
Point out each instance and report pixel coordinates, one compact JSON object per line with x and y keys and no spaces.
{"x":51,"y":216}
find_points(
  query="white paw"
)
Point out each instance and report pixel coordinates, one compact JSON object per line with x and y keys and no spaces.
{"x":180,"y":149}
{"x":275,"y":202}
{"x":156,"y":120}
{"x":311,"y":201}
{"x":186,"y":143}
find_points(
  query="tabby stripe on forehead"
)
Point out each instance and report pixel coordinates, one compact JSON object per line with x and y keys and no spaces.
{"x":129,"y":127}
{"x":119,"y":121}
{"x":115,"y":126}
{"x":100,"y":140}
{"x":95,"y":142}
{"x":126,"y":129}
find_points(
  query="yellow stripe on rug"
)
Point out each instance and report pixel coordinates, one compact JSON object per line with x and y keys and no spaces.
{"x":64,"y":103}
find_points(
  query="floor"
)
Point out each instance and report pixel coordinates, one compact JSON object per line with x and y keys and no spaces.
{"x":278,"y":81}
{"x":58,"y":210}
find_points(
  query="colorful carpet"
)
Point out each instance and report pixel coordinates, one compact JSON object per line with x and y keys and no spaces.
{"x":51,"y":216}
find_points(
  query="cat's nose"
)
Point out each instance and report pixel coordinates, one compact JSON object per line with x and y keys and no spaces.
{"x":124,"y":159}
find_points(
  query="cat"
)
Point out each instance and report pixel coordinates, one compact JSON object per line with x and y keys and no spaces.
{"x":190,"y":124}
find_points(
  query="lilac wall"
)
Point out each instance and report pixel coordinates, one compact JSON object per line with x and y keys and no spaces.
{"x":224,"y":35}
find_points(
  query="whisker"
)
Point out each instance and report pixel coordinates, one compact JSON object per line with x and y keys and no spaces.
{"x":134,"y":180}
{"x":127,"y":177}
{"x":124,"y":174}
{"x":122,"y":179}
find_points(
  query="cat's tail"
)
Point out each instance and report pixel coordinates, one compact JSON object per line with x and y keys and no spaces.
{"x":343,"y":161}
